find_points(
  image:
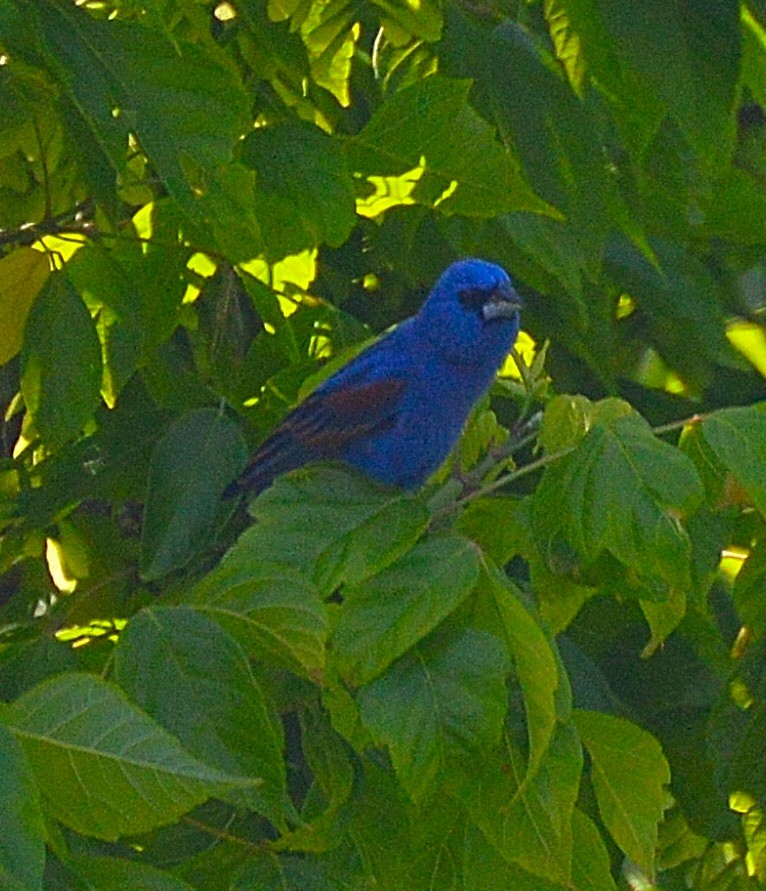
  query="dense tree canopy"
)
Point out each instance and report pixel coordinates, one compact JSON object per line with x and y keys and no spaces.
{"x":547,"y":669}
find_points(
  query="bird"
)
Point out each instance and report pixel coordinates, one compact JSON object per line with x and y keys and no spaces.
{"x":395,"y":411}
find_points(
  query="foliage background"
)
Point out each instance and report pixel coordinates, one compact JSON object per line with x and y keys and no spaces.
{"x":546,"y":670}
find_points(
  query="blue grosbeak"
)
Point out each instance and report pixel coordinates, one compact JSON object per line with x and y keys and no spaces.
{"x":396,"y":410}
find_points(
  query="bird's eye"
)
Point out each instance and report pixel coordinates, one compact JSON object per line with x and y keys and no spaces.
{"x":474,"y":299}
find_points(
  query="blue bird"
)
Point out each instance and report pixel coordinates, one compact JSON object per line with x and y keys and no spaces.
{"x":395,"y":411}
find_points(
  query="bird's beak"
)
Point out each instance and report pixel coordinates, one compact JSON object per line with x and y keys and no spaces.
{"x":504,"y":303}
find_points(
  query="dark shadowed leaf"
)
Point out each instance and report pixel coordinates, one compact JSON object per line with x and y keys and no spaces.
{"x":184,"y":103}
{"x":22,"y":850}
{"x":303,"y":186}
{"x":191,"y":466}
{"x":60,"y":362}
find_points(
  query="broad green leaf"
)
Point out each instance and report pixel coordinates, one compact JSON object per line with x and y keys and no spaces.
{"x":466,"y":170}
{"x":696,"y":86}
{"x":485,"y":869}
{"x":191,"y":466}
{"x":445,"y":699}
{"x":498,"y":525}
{"x":330,"y":32}
{"x":591,"y":866}
{"x":184,"y":103}
{"x":60,"y":363}
{"x":567,"y":419}
{"x":23,"y":274}
{"x":621,"y":490}
{"x":170,"y":655}
{"x":272,"y":610}
{"x":115,"y":874}
{"x":529,"y":823}
{"x":22,"y":846}
{"x":534,"y":659}
{"x":629,"y":775}
{"x":385,"y":616}
{"x":737,"y":437}
{"x":303,"y":188}
{"x":332,"y":523}
{"x":103,"y":766}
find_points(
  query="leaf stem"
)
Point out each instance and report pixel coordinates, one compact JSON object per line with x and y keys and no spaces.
{"x":552,"y":457}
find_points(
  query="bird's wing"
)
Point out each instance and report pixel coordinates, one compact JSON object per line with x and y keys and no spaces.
{"x":321,"y":426}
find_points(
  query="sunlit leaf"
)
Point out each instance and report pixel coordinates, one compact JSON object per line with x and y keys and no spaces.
{"x":466,"y":170}
{"x":22,"y":275}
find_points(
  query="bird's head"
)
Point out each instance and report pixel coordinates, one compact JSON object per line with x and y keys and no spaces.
{"x":473,"y":311}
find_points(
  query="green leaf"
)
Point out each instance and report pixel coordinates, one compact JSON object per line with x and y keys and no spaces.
{"x":169,"y":655}
{"x":184,"y":102}
{"x":529,"y":823}
{"x":499,"y":525}
{"x":737,"y":436}
{"x":534,"y":660}
{"x":696,"y":86}
{"x":629,"y":775}
{"x":433,"y":120}
{"x":567,"y":419}
{"x":22,"y":849}
{"x":621,"y":490}
{"x":104,"y":767}
{"x":334,"y":524}
{"x":303,"y":187}
{"x":114,"y":874}
{"x":272,"y":610}
{"x":60,"y":363}
{"x":591,"y":866}
{"x":191,"y":466}
{"x":385,"y":616}
{"x":23,"y":274}
{"x":485,"y":869}
{"x":444,"y":699}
